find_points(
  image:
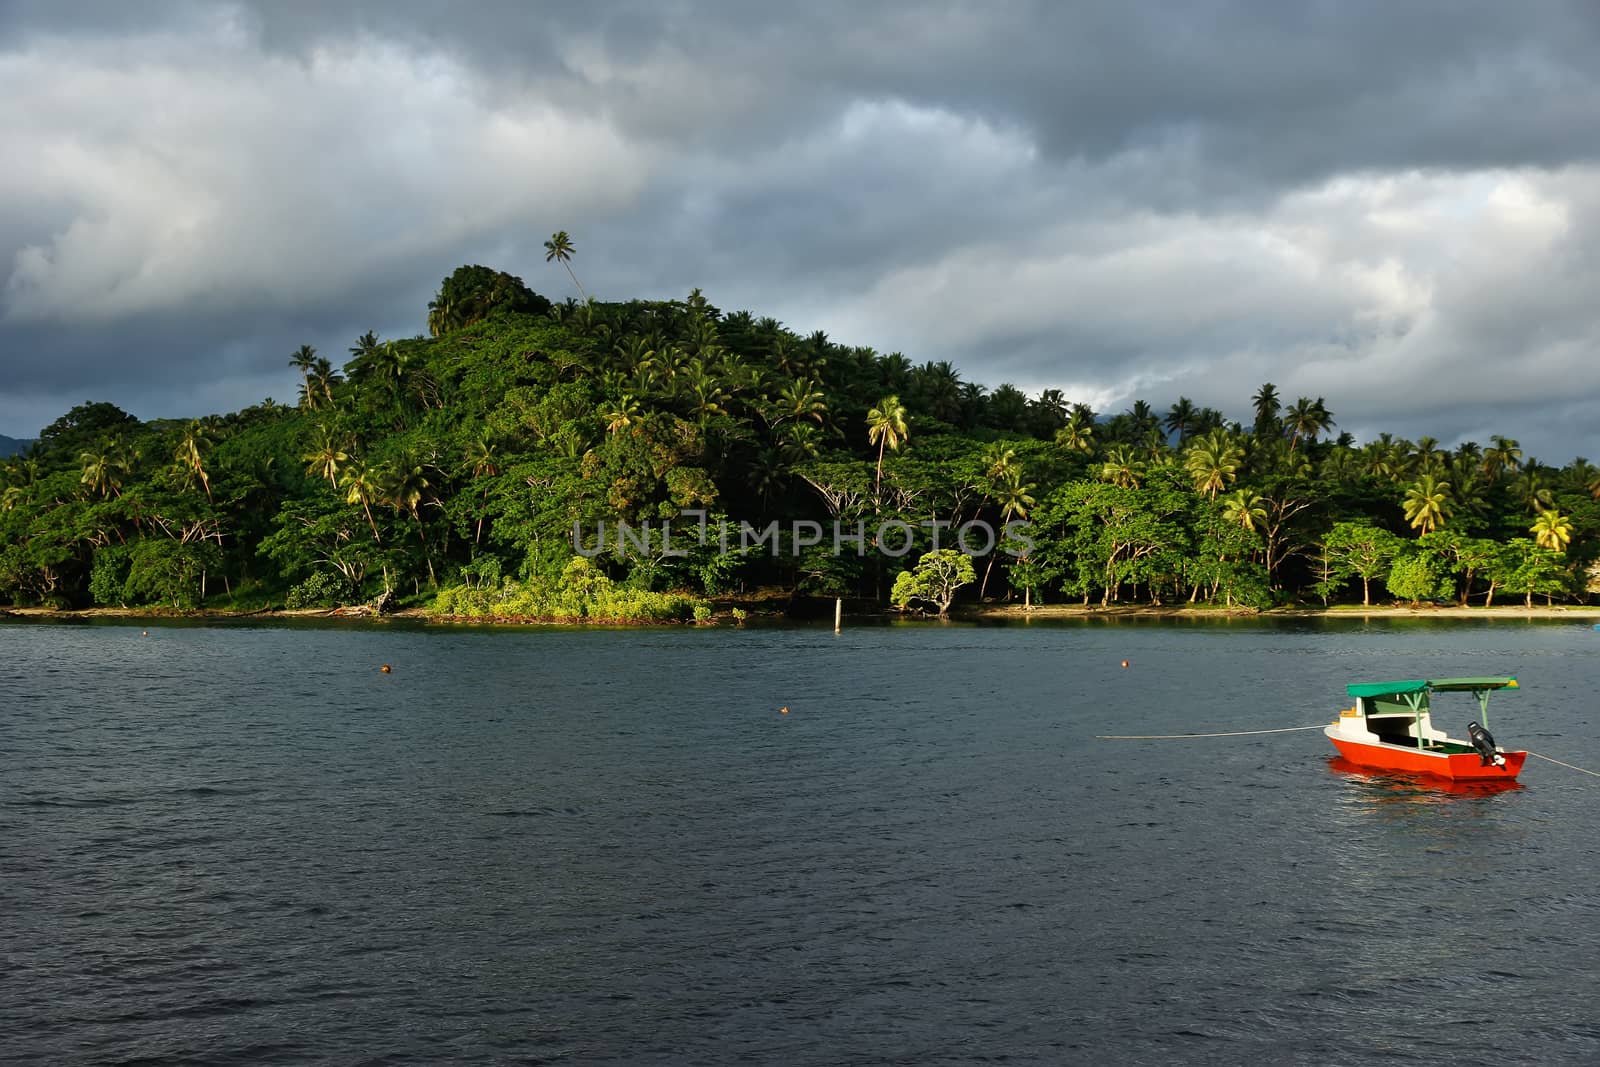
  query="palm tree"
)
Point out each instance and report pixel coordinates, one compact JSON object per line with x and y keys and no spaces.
{"x":799,"y":399}
{"x":894,"y":371}
{"x":1467,"y":487}
{"x":1078,"y":434}
{"x":998,"y":461}
{"x":1007,"y":407}
{"x":100,"y":473}
{"x":799,"y":442}
{"x":1052,"y":408}
{"x":483,"y":460}
{"x":1307,"y":418}
{"x":1551,"y":530}
{"x":1142,"y":419}
{"x":443,"y":315}
{"x":940,"y":387}
{"x":634,"y":353}
{"x":362,"y":486}
{"x":1013,"y":497}
{"x":1427,"y":503}
{"x":1181,"y":419}
{"x":1377,"y":458}
{"x":624,"y":414}
{"x":322,"y":380}
{"x":1428,"y":457}
{"x":1530,"y":488}
{"x":972,"y":401}
{"x":188,"y":454}
{"x":708,"y":396}
{"x":1266,"y":406}
{"x":362,"y":353}
{"x":1213,"y":462}
{"x":404,"y":486}
{"x":1244,"y":509}
{"x":560,"y":248}
{"x":392,"y":368}
{"x":1120,"y":468}
{"x":767,"y":472}
{"x":325,"y":460}
{"x":1578,"y":475}
{"x":1503,"y":454}
{"x":303,"y":359}
{"x":886,"y":427}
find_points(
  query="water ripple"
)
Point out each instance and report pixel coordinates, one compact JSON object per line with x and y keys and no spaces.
{"x":244,"y":845}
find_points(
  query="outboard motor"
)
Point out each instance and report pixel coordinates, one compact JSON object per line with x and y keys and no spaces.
{"x":1483,"y":741}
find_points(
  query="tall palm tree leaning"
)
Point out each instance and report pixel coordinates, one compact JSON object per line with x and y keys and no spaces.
{"x":886,"y":427}
{"x":560,"y":248}
{"x":362,"y":486}
{"x":303,"y":360}
{"x":189,"y":454}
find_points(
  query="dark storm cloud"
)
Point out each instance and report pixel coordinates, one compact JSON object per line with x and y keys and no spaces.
{"x":1292,"y":91}
{"x":1385,"y":204}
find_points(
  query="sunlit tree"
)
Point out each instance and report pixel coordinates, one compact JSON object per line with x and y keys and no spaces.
{"x":561,"y":249}
{"x":1427,"y":503}
{"x":886,"y":427}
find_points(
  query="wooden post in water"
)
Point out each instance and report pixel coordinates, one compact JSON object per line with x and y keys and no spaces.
{"x":838,"y":612}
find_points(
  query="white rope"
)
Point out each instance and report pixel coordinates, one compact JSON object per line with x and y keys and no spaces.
{"x":1228,"y":733}
{"x":1566,"y":765}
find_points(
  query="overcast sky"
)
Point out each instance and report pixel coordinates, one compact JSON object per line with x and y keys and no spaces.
{"x":1391,"y":206}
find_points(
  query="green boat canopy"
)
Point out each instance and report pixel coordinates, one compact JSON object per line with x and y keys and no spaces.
{"x":1437,"y":685}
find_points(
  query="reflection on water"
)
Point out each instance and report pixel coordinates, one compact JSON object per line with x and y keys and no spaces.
{"x":1381,"y":786}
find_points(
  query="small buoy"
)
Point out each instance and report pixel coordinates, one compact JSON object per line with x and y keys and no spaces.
{"x":783,"y":710}
{"x":384,"y":668}
{"x":1124,"y":663}
{"x":144,"y":633}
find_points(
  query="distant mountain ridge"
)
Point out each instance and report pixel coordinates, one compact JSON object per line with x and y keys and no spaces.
{"x":10,"y":446}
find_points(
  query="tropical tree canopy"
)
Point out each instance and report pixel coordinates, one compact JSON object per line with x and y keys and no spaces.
{"x":474,"y":465}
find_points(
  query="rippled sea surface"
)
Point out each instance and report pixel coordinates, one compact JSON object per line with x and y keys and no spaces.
{"x":231,"y":844}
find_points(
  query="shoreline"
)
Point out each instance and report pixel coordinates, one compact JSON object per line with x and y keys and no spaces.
{"x":1008,"y":612}
{"x":1337,"y":611}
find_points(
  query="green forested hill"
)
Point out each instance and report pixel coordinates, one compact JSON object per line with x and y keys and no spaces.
{"x":454,"y":469}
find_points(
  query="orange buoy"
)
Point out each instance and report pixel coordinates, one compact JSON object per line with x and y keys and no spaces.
{"x":1124,"y":663}
{"x":783,"y":710}
{"x":144,"y":633}
{"x":384,"y":668}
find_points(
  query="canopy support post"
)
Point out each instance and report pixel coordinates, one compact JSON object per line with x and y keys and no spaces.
{"x":1418,"y":701}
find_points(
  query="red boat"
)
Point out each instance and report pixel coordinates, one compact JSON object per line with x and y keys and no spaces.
{"x":1390,"y":727}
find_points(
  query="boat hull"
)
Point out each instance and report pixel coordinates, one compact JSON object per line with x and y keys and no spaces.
{"x":1456,"y":766}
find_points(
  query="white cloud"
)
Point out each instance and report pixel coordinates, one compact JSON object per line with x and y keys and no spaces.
{"x":181,"y":171}
{"x":1416,"y":296}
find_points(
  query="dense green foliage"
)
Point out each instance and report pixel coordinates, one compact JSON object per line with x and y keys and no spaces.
{"x":933,"y":581}
{"x":453,"y":469}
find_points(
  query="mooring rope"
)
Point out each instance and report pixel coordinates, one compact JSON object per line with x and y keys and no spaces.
{"x":1569,"y":766}
{"x":1225,"y":733}
{"x":1289,"y":730}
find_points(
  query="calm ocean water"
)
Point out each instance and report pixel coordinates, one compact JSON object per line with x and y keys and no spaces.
{"x":232,"y":844}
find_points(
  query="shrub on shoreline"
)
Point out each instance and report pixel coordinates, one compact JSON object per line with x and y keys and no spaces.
{"x":582,"y":592}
